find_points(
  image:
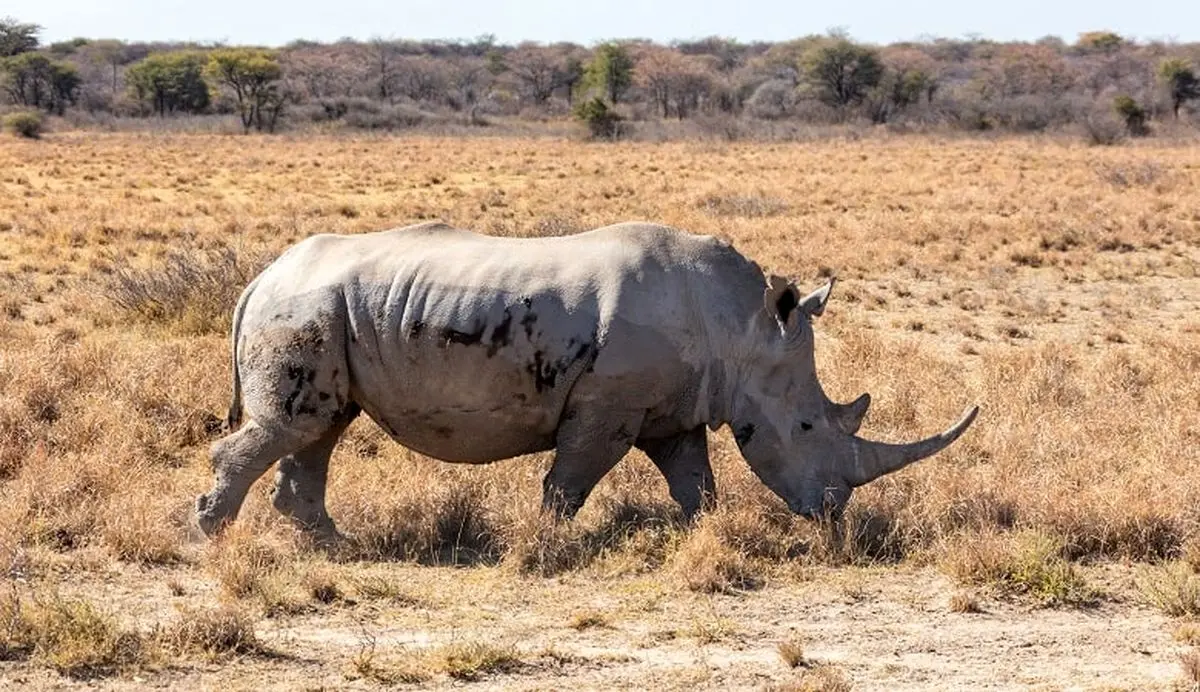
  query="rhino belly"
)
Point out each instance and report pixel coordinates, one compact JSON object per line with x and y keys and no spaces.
{"x":457,"y":405}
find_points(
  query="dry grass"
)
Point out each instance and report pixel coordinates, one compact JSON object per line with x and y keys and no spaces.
{"x":1056,"y":285}
{"x":1028,"y":563}
{"x":467,"y":661}
{"x":1174,"y":588}
{"x":70,"y":636}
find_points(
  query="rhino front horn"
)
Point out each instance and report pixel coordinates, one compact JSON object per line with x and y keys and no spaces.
{"x":875,"y":459}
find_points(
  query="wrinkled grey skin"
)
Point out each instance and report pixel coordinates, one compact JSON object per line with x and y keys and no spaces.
{"x":470,"y":348}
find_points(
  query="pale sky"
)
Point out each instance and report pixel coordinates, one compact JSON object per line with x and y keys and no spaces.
{"x":276,"y":22}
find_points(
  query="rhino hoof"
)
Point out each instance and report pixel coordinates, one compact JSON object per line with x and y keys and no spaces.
{"x":211,"y":525}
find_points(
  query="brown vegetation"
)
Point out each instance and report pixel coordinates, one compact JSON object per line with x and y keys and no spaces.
{"x":1053,"y":283}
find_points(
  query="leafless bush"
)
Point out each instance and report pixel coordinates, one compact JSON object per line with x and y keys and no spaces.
{"x":193,"y":290}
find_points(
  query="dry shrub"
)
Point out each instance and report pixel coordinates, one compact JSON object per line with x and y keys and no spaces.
{"x":1025,"y":562}
{"x":193,"y":291}
{"x":211,"y":632}
{"x":705,"y":563}
{"x":1189,"y":661}
{"x":1173,"y":588}
{"x":71,"y":636}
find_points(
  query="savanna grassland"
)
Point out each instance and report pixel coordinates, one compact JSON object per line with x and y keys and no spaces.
{"x":1057,"y":544}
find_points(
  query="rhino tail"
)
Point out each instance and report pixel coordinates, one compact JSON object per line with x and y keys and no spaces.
{"x":234,"y":418}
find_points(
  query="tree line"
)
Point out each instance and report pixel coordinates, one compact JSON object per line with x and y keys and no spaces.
{"x":973,"y":83}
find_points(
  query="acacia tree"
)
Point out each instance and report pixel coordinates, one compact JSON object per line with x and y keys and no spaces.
{"x":16,"y":37}
{"x":32,"y":79}
{"x":841,"y":72}
{"x":170,"y":82}
{"x":252,"y":75}
{"x":1181,"y":82}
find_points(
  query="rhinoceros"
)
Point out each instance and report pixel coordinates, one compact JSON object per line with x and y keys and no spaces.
{"x":472,"y":348}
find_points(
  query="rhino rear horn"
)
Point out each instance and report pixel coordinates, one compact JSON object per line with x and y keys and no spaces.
{"x":875,"y":459}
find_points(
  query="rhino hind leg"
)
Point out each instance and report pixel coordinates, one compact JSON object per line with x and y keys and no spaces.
{"x":589,"y":444}
{"x":683,"y":461}
{"x":238,"y":460}
{"x":300,"y":480}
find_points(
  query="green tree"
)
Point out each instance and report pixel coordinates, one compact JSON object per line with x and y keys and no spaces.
{"x":610,"y":70}
{"x":16,"y":37}
{"x":170,"y":82}
{"x":33,"y":79}
{"x":1180,"y":79}
{"x":841,"y":72}
{"x":252,"y":74}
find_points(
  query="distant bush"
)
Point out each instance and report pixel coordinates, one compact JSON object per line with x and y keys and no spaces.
{"x":1133,"y":114}
{"x":26,"y":124}
{"x":602,"y":122}
{"x":1104,"y":128}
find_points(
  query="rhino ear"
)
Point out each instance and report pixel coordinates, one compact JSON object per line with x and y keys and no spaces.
{"x":780,"y":299}
{"x":813,"y":304}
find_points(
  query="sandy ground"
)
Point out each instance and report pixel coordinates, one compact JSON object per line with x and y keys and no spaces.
{"x":879,"y":628}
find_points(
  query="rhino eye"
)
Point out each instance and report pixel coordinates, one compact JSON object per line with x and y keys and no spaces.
{"x":804,"y":425}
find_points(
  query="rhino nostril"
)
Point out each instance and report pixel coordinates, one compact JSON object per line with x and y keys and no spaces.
{"x":804,"y":425}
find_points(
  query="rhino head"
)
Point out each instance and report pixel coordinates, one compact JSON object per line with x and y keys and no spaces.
{"x":802,"y":445}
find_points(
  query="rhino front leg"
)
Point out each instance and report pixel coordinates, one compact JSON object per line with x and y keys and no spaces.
{"x":238,"y":460}
{"x":300,"y":482}
{"x":590,"y":442}
{"x":683,"y":461}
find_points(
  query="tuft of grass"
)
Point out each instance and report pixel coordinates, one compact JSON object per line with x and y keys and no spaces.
{"x":706,"y":564}
{"x":821,"y":677}
{"x":1187,"y":632}
{"x":473,"y":660}
{"x":963,"y":602}
{"x":791,"y":652}
{"x":242,"y":562}
{"x":380,"y":588}
{"x":322,"y":586}
{"x":1173,"y":588}
{"x":211,"y":632}
{"x":589,"y":619}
